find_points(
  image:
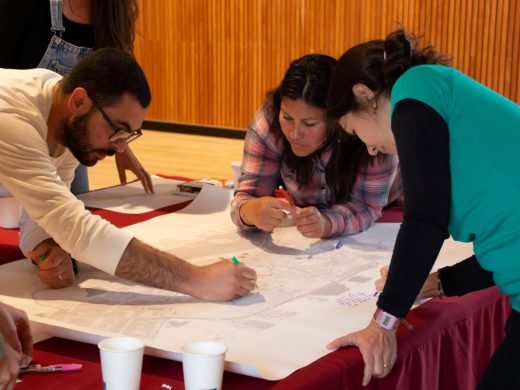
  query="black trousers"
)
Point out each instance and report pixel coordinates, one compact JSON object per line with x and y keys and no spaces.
{"x":503,"y":370}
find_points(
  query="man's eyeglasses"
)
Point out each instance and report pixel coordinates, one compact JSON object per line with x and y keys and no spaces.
{"x":122,"y":133}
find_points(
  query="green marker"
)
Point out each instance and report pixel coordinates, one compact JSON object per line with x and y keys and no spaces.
{"x":236,"y":262}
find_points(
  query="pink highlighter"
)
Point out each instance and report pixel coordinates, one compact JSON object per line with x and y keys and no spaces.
{"x":38,"y":368}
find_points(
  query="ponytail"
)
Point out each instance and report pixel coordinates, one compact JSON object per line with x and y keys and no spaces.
{"x":377,"y":64}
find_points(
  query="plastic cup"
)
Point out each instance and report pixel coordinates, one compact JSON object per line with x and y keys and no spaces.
{"x":121,"y":362}
{"x":235,"y":168}
{"x":9,"y":213}
{"x":203,"y":365}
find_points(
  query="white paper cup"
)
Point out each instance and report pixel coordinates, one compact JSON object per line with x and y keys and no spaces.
{"x":203,"y":365}
{"x":9,"y":213}
{"x":235,"y":168}
{"x":121,"y":362}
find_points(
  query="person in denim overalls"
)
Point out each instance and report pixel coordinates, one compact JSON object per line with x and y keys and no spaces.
{"x":25,"y":29}
{"x":73,"y":28}
{"x":60,"y":57}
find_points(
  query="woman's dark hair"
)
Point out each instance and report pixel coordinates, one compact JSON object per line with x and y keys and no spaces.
{"x":308,"y":78}
{"x":107,"y":74}
{"x":377,"y":64}
{"x":114,"y":23}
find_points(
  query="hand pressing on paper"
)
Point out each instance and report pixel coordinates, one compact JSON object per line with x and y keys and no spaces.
{"x":312,"y":223}
{"x":54,"y":264}
{"x":267,"y":212}
{"x":16,"y":342}
{"x":126,"y":161}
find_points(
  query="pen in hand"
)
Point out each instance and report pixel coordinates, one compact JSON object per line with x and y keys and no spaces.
{"x":236,"y":262}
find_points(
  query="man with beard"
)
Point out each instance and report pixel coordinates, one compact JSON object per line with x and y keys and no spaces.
{"x":47,"y":124}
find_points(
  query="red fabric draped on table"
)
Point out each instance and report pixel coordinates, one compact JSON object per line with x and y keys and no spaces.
{"x":449,"y":347}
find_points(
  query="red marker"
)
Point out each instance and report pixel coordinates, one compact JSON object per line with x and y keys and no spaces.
{"x":281,"y":193}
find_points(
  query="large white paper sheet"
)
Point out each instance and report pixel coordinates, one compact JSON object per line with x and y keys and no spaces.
{"x":131,"y":198}
{"x":309,"y":292}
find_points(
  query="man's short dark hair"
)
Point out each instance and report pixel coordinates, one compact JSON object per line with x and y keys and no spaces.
{"x":107,"y":74}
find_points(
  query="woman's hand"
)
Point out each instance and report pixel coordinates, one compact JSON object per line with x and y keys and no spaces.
{"x":312,"y":223}
{"x":380,"y":283}
{"x":378,"y":347}
{"x":429,"y":289}
{"x":267,"y":212}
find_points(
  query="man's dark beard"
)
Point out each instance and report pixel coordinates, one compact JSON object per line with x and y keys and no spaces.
{"x":75,"y":138}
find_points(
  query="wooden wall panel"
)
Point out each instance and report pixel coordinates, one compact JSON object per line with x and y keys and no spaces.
{"x":211,"y":62}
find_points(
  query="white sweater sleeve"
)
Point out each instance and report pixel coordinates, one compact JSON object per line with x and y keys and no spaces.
{"x":31,"y":234}
{"x":29,"y":174}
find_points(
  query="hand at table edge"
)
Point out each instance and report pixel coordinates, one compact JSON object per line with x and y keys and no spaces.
{"x":377,"y":346}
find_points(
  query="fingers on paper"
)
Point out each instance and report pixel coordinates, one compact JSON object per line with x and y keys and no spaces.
{"x":144,"y":177}
{"x":147,"y":183}
{"x":343,"y":341}
{"x":122,"y":174}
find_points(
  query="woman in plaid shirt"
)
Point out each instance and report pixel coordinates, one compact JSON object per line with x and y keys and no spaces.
{"x":335,"y":187}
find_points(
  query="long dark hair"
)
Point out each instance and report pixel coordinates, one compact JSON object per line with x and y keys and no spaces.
{"x":114,"y":23}
{"x":377,"y":64}
{"x":308,"y":78}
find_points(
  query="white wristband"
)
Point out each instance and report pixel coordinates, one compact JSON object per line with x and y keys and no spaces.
{"x":386,"y":320}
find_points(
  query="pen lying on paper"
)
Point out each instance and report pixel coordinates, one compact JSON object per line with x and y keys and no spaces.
{"x":38,"y":368}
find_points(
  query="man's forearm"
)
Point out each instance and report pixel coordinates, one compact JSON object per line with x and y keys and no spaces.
{"x":147,"y":265}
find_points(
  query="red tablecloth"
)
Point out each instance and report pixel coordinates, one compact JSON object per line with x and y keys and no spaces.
{"x":451,"y":343}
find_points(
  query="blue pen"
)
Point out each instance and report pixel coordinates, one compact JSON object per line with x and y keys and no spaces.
{"x":236,"y":262}
{"x":339,"y":244}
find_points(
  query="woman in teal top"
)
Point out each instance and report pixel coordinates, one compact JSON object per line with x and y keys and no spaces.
{"x":456,"y":141}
